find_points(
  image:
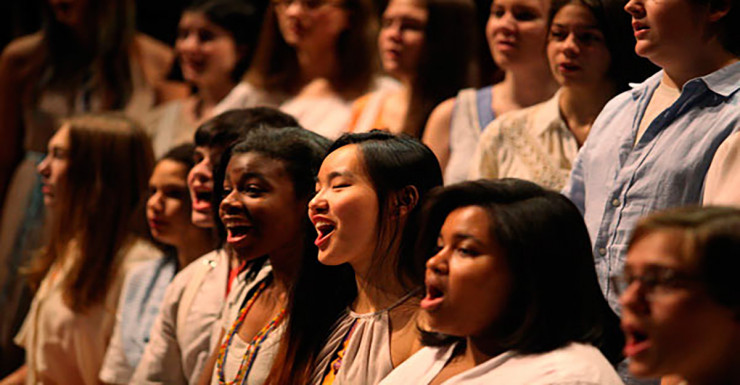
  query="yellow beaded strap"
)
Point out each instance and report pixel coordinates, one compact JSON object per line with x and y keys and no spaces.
{"x":254,"y":346}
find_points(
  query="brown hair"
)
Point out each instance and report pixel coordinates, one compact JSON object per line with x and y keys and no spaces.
{"x":111,"y":26}
{"x":100,"y":205}
{"x":710,"y":240}
{"x":447,"y":63}
{"x":275,"y":65}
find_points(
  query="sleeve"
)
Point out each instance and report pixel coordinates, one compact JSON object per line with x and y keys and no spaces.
{"x":575,"y":188}
{"x":161,"y":362}
{"x":722,"y":183}
{"x":485,"y":159}
{"x":116,"y":368}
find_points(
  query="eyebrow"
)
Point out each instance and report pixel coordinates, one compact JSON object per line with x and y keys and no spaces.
{"x":337,"y":174}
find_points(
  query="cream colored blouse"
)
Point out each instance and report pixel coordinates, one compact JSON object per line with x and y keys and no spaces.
{"x":66,"y":347}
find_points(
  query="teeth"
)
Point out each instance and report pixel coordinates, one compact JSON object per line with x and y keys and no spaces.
{"x":324,"y":227}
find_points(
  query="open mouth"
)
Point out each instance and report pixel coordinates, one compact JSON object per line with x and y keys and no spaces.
{"x":202,"y":200}
{"x":636,"y":342}
{"x":236,"y":232}
{"x":569,"y":67}
{"x":433,"y":298}
{"x":324,"y":230}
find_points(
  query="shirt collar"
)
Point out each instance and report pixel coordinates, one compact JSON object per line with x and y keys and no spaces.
{"x":725,"y":81}
{"x":546,"y":111}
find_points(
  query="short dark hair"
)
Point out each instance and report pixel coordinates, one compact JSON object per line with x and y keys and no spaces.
{"x":300,"y":151}
{"x":393,"y":163}
{"x":555,"y":298}
{"x":231,"y":126}
{"x":611,"y":19}
{"x":711,"y":239}
{"x":183,"y":153}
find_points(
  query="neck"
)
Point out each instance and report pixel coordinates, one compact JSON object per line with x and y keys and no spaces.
{"x":285,"y":265}
{"x":196,"y":244}
{"x":724,"y":369}
{"x":209,"y":96}
{"x":580,"y":105}
{"x":479,"y":350}
{"x":316,"y":64}
{"x":525,"y":88}
{"x":678,"y":72}
{"x":377,"y":289}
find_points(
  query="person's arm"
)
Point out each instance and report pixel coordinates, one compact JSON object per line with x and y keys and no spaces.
{"x":161,"y":363}
{"x":437,"y":131}
{"x":13,"y":67}
{"x":16,"y":378}
{"x":575,"y":188}
{"x":485,"y":159}
{"x":722,"y":183}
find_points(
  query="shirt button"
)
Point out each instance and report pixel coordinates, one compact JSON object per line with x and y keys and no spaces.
{"x":615,"y":202}
{"x":602,"y":251}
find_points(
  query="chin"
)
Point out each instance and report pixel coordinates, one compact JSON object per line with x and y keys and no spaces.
{"x":201,"y":220}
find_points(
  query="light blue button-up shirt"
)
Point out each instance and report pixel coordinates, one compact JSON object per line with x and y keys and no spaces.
{"x":616,"y":181}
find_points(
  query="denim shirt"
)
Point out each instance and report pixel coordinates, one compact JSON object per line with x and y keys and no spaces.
{"x":138,"y":307}
{"x":616,"y":181}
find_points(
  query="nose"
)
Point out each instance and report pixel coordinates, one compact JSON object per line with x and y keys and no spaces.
{"x":437,"y":264}
{"x":634,"y":298}
{"x":188,"y":43}
{"x":635,"y":8}
{"x":393,"y":31}
{"x":318,"y":205}
{"x":506,"y":24}
{"x":293,"y":7}
{"x":43,"y":168}
{"x":201,"y":173}
{"x":155,"y":202}
{"x":570,"y":46}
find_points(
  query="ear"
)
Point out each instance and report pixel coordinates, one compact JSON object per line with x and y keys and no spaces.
{"x":405,"y":201}
{"x":718,"y":9}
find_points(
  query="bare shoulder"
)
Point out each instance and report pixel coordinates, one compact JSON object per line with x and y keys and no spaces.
{"x":154,"y":53}
{"x":20,"y":51}
{"x":439,"y":119}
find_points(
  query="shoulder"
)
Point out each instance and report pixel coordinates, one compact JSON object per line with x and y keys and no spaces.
{"x":154,"y":53}
{"x":421,"y":367}
{"x":515,"y":121}
{"x":21,"y":52}
{"x":575,"y":363}
{"x":22,"y":48}
{"x":439,"y":119}
{"x":207,"y":262}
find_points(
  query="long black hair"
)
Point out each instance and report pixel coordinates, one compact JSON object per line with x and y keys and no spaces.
{"x":323,"y":293}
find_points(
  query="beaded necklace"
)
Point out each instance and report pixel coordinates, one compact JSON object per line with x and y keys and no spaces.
{"x":254,"y":346}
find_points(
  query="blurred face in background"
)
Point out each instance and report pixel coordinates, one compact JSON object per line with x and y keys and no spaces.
{"x":53,"y":168}
{"x":311,"y":24}
{"x":517,"y":31}
{"x":402,"y":36}
{"x":671,"y":324}
{"x":200,"y":184}
{"x":72,"y":13}
{"x":576,"y":48}
{"x":207,"y":52}
{"x":168,"y":206}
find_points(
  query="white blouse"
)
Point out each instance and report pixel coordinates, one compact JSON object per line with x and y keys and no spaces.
{"x":574,"y":364}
